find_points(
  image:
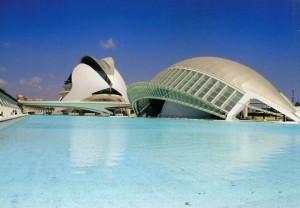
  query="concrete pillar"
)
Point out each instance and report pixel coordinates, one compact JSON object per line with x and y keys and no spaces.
{"x":245,"y":113}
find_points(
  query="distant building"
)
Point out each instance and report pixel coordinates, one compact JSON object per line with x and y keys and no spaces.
{"x":209,"y":87}
{"x":21,"y":98}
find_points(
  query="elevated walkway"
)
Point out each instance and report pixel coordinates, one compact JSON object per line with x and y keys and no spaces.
{"x":98,"y":107}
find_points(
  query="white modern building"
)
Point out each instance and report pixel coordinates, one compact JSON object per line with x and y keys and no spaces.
{"x":95,"y":80}
{"x":209,"y":87}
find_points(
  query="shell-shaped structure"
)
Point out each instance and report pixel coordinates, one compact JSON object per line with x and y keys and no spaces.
{"x":95,"y":80}
{"x":9,"y":106}
{"x":212,"y":85}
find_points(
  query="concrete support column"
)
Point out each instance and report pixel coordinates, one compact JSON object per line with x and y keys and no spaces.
{"x":245,"y":100}
{"x":245,"y":113}
{"x":240,"y":106}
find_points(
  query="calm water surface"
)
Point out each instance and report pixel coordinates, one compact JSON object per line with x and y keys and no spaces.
{"x":65,"y":161}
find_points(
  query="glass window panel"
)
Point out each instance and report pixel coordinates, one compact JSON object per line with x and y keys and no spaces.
{"x":157,"y":77}
{"x":203,"y":92}
{"x":174,"y":80}
{"x":188,"y":86}
{"x":213,"y":95}
{"x":219,"y":103}
{"x":223,"y":95}
{"x":230,"y":105}
{"x":238,"y":96}
{"x":193,"y":80}
{"x":179,"y":79}
{"x":220,"y":86}
{"x":174,"y":77}
{"x":228,"y":92}
{"x":223,"y":99}
{"x":214,"y":91}
{"x":186,"y":80}
{"x":194,"y":88}
{"x":207,"y":87}
{"x":233,"y":100}
{"x":171,"y":73}
{"x":160,"y":77}
{"x":160,"y":80}
{"x":164,"y":79}
{"x":199,"y":84}
{"x":210,"y":98}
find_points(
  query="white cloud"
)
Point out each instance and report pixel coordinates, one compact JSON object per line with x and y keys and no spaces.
{"x":52,"y":76}
{"x":36,"y":80}
{"x":109,"y":44}
{"x":2,"y":69}
{"x":34,"y":83}
{"x":23,"y":82}
{"x":3,"y":83}
{"x":35,"y":87}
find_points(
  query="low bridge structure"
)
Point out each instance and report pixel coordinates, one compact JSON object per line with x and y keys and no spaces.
{"x":99,"y":107}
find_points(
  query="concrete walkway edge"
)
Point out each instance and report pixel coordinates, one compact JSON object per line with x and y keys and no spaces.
{"x":2,"y":119}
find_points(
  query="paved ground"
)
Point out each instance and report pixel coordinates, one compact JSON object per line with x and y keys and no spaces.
{"x":11,"y":117}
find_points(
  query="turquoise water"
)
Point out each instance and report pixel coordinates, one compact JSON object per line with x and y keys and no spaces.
{"x":65,"y":161}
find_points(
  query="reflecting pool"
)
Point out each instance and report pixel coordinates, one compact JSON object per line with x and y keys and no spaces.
{"x":76,"y":161}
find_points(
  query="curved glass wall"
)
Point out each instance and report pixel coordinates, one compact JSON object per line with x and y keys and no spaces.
{"x":188,"y":87}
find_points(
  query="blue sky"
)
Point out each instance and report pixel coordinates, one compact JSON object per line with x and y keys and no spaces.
{"x":42,"y":41}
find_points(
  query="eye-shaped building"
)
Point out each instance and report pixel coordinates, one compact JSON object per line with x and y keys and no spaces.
{"x":207,"y":87}
{"x":95,"y":80}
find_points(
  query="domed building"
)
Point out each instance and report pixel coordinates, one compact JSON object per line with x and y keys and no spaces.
{"x":95,"y":80}
{"x":209,"y":87}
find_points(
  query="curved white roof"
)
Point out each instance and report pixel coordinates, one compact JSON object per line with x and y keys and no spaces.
{"x":237,"y":75}
{"x":91,"y":76}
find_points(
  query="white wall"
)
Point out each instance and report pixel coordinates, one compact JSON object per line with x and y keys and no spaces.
{"x":85,"y":82}
{"x":7,"y":111}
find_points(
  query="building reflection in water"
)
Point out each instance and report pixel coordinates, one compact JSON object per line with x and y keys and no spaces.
{"x":220,"y":157}
{"x":100,"y":148}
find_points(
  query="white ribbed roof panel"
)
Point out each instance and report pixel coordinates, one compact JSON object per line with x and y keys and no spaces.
{"x":237,"y":75}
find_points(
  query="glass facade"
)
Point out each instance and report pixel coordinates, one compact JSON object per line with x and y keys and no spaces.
{"x":188,"y":87}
